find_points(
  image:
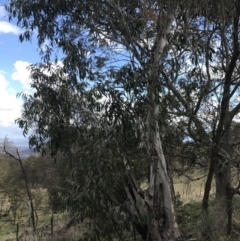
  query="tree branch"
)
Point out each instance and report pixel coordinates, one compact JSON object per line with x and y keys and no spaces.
{"x":18,"y":158}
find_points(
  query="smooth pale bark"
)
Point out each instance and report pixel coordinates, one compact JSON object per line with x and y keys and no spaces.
{"x":159,"y":186}
{"x":154,"y":205}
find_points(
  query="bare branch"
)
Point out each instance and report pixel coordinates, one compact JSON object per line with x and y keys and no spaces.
{"x":18,"y":158}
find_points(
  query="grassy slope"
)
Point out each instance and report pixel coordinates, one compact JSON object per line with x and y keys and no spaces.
{"x":189,"y":211}
{"x":43,"y":216}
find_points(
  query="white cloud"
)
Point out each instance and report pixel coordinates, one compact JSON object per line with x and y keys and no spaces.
{"x":6,"y":27}
{"x":3,"y":82}
{"x":10,"y":106}
{"x":3,"y":12}
{"x":45,"y":44}
{"x":22,"y":74}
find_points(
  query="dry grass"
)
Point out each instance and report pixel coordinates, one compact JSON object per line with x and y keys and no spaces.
{"x":190,"y":190}
{"x":189,"y":214}
{"x":42,"y":216}
{"x":191,"y":193}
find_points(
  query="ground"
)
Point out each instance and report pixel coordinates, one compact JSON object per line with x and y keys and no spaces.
{"x":189,"y":195}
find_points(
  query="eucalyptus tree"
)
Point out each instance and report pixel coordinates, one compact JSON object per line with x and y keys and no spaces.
{"x":203,"y":93}
{"x":224,"y":71}
{"x":122,"y":48}
{"x":141,"y":29}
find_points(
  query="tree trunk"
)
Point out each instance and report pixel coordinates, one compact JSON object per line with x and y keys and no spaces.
{"x":154,"y":219}
{"x":223,"y":192}
{"x":206,"y":228}
{"x":159,"y":186}
{"x":157,"y":208}
{"x":159,"y":190}
{"x":223,"y":199}
{"x":221,"y":167}
{"x":221,"y":139}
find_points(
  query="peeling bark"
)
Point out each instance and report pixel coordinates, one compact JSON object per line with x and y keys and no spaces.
{"x":151,"y":214}
{"x":159,"y":187}
{"x":157,"y":198}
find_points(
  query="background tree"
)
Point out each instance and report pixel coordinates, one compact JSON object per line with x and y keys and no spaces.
{"x":207,"y":100}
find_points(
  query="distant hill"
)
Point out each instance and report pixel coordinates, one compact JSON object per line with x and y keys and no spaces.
{"x":26,"y":153}
{"x":21,"y":145}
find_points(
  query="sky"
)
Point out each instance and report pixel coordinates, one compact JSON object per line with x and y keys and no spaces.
{"x":14,"y":75}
